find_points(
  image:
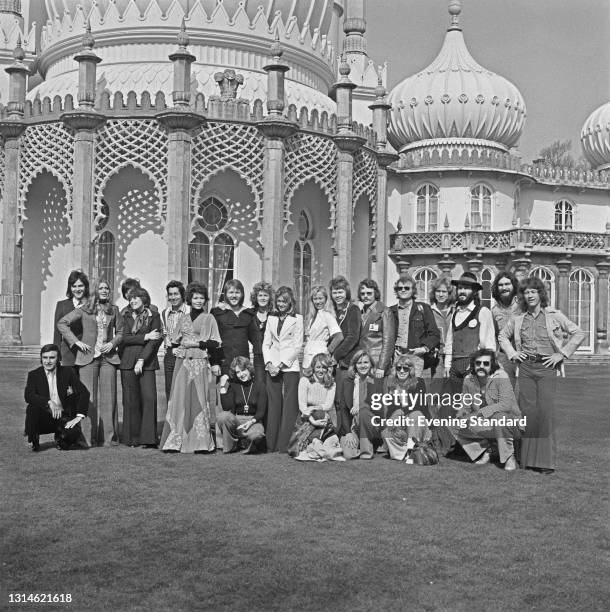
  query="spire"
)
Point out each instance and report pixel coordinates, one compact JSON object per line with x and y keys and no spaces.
{"x":354,"y":27}
{"x":182,"y":60}
{"x":455,"y":8}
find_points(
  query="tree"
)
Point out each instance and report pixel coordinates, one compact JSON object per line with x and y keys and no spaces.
{"x":559,"y":154}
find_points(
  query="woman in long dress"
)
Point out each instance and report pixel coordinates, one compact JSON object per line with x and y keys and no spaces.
{"x":187,"y":422}
{"x":322,"y":332}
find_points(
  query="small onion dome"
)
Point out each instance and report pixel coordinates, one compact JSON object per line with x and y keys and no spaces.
{"x":595,"y":137}
{"x":455,"y":99}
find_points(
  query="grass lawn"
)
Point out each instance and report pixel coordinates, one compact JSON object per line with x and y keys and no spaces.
{"x":134,"y":529}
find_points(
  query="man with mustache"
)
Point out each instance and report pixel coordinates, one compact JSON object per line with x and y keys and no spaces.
{"x":504,"y":292}
{"x":489,"y":382}
{"x":471,"y":329}
{"x":543,"y":339}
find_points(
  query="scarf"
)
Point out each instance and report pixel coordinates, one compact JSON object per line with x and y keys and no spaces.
{"x":141,"y":319}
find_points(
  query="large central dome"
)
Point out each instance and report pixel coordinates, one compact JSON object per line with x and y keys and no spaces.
{"x":455,"y":99}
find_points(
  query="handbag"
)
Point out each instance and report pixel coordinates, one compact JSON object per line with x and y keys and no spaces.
{"x":423,"y":453}
{"x":66,"y":438}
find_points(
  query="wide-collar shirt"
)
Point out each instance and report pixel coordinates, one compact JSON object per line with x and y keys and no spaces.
{"x":534,"y":335}
{"x":170,"y":320}
{"x":52,"y":380}
{"x":404,"y":312}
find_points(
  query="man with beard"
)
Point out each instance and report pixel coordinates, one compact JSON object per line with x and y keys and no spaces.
{"x":495,"y":416}
{"x":471,"y":329}
{"x":504,"y":291}
{"x":377,"y":326}
{"x":543,"y":338}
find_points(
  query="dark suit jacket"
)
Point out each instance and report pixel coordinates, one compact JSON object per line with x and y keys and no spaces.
{"x":73,"y":395}
{"x":133,"y":345}
{"x":235,"y":333}
{"x":423,"y":330}
{"x":88,"y":325}
{"x":68,"y":355}
{"x":350,"y":328}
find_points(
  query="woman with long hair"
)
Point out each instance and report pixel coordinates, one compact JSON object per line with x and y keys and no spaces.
{"x":406,"y":409}
{"x":261,"y":298}
{"x":97,"y":359}
{"x":316,"y":397}
{"x":281,"y":346}
{"x":76,"y":294}
{"x":363,"y":436}
{"x":322,"y":332}
{"x":142,"y":337}
{"x":188,"y":419}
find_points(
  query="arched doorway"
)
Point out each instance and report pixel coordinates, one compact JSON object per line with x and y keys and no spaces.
{"x":46,"y":257}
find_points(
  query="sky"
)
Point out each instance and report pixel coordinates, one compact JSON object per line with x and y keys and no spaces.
{"x":557,"y":53}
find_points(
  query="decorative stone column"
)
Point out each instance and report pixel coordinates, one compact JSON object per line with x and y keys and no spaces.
{"x":347,"y":143}
{"x":522,"y":266}
{"x":84,"y":121}
{"x":11,"y":130}
{"x":564,"y":266}
{"x":601,"y":307}
{"x":380,"y":108}
{"x":179,"y":121}
{"x":276,"y":128}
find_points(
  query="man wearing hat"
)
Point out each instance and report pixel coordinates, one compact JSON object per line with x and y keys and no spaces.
{"x":471,"y":329}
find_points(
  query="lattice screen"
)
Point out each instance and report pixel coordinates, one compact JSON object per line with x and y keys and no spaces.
{"x":47,"y":146}
{"x":138,"y":143}
{"x":310,"y":157}
{"x":223,"y":146}
{"x":365,"y":181}
{"x":2,"y":165}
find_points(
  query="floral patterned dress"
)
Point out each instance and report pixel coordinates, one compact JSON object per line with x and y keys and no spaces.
{"x":187,"y":422}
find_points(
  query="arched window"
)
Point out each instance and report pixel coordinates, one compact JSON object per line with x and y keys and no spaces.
{"x":423,"y":280}
{"x":104,"y":258}
{"x":480,"y":208}
{"x":564,"y":215}
{"x":211,"y":252}
{"x":548,"y":278}
{"x":302,"y":262}
{"x":427,"y":209}
{"x":580,"y":304}
{"x":486,"y":280}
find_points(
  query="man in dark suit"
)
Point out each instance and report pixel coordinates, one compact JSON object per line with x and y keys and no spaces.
{"x":56,"y":401}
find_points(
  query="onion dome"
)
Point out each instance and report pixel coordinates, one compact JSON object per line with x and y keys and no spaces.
{"x":455,"y":101}
{"x":595,"y":137}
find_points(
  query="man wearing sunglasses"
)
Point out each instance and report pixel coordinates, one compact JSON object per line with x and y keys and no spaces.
{"x":492,"y":384}
{"x":415,"y":331}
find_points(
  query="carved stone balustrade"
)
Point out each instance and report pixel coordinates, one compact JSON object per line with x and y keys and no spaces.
{"x":516,"y":239}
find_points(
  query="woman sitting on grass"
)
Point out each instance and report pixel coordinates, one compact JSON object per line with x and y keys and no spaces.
{"x":364,"y":436}
{"x":406,"y":409}
{"x":316,"y":398}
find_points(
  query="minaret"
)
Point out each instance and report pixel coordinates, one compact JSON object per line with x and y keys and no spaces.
{"x":363,"y":72}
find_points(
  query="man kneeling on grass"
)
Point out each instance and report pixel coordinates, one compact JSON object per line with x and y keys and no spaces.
{"x":57,"y":402}
{"x":496,"y":416}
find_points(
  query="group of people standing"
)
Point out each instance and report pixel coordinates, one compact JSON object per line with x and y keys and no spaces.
{"x":266,"y":378}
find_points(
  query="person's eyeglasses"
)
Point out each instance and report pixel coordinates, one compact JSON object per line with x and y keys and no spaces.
{"x":483,"y":363}
{"x":403,"y":368}
{"x":402,"y":288}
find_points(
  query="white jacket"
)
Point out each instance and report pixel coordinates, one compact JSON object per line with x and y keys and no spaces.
{"x":285,"y":347}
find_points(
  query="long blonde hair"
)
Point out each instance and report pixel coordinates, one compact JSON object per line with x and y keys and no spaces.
{"x":92,"y":304}
{"x":312,"y":311}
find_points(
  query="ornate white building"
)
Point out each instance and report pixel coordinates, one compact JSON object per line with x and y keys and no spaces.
{"x":210,"y":139}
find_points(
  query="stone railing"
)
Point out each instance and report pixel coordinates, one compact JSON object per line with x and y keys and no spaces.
{"x":448,"y":157}
{"x":213,"y":108}
{"x":517,"y":239}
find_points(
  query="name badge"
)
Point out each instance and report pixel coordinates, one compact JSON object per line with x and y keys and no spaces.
{"x":373,"y":327}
